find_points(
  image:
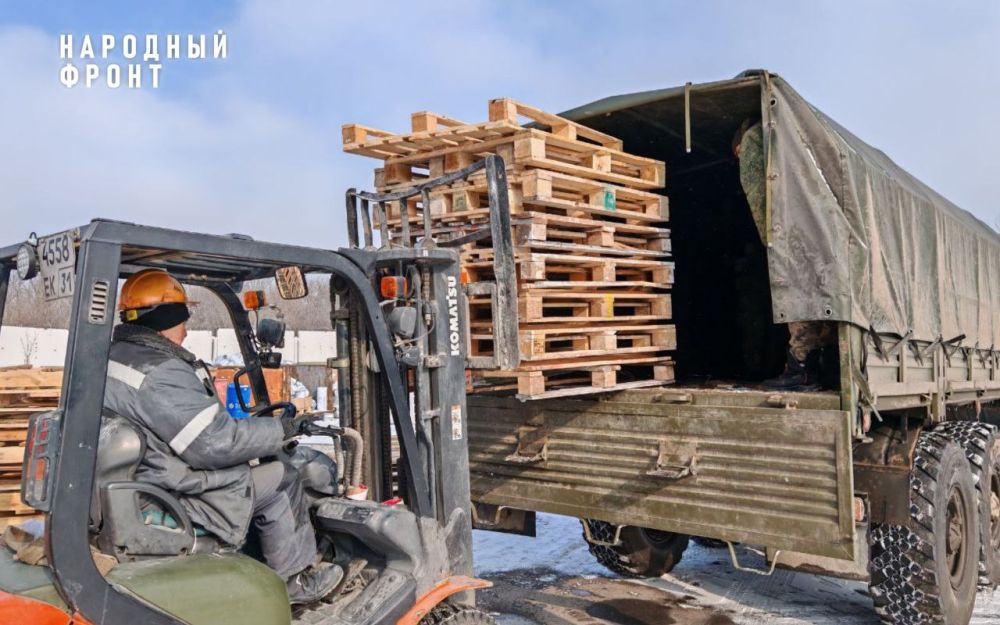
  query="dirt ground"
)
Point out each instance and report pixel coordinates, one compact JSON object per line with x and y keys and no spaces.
{"x":552,"y":580}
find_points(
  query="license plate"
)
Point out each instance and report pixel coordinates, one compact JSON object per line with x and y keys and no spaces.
{"x":57,"y":256}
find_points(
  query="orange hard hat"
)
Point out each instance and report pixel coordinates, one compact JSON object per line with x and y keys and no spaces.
{"x":148,"y":289}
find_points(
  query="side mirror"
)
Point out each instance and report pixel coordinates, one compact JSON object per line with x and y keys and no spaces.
{"x":271,"y":333}
{"x":291,"y":283}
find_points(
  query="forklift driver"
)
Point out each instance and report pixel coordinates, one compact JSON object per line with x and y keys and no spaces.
{"x":196,"y":450}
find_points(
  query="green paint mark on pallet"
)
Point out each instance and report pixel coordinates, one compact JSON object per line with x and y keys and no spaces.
{"x":609,"y":199}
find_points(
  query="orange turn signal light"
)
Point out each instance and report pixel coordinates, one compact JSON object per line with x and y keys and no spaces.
{"x":463,"y":276}
{"x":393,"y":287}
{"x":254,"y":300}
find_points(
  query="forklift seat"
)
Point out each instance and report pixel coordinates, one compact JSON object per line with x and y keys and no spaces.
{"x":123,"y":510}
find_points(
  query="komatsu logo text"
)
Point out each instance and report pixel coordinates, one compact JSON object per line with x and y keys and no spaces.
{"x":454,"y":333}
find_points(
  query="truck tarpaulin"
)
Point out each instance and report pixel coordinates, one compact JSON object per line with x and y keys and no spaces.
{"x":851,"y":235}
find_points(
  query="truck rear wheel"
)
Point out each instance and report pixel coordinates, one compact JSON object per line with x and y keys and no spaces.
{"x":640,"y":552}
{"x":926,"y":571}
{"x":709,"y":543}
{"x":981,"y":443}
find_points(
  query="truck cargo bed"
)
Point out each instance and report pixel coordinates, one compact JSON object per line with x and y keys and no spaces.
{"x":736,"y":464}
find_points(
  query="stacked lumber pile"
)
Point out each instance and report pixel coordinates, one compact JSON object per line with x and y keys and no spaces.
{"x":23,"y":392}
{"x":591,"y":252}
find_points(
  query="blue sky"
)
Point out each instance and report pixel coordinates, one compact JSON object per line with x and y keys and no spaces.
{"x":252,"y":142}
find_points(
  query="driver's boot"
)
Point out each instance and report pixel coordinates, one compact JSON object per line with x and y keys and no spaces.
{"x":314,"y":583}
{"x":799,"y":375}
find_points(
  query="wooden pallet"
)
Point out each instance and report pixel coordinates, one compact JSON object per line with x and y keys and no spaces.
{"x":538,"y":270}
{"x":541,"y":231}
{"x":565,"y":377}
{"x":569,"y":271}
{"x":552,"y":233}
{"x":541,"y":191}
{"x":586,"y":306}
{"x":412,"y":158}
{"x":23,"y":391}
{"x":550,"y":342}
{"x":429,"y":126}
{"x":13,"y":430}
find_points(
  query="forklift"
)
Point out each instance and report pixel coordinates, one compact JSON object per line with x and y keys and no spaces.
{"x":397,"y":305}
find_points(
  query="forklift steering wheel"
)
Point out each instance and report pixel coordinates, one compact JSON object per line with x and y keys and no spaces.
{"x":269,"y":409}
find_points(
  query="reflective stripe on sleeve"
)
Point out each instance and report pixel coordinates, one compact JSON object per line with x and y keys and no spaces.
{"x":126,"y":374}
{"x":194,"y":428}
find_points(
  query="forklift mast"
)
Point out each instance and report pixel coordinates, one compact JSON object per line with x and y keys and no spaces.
{"x":432,"y":297}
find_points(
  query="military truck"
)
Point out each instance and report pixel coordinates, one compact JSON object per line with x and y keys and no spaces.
{"x":889,"y":473}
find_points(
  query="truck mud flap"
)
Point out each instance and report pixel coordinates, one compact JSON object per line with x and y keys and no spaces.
{"x":775,"y":477}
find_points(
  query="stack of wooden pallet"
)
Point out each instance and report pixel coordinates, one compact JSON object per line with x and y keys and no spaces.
{"x":591,"y":252}
{"x":23,"y":392}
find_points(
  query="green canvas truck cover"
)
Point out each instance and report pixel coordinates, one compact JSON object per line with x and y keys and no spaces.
{"x":852,"y":236}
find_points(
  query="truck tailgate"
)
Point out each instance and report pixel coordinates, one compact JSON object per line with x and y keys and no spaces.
{"x":775,"y":477}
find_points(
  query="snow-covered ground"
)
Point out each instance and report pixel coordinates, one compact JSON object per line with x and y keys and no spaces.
{"x":553,"y":580}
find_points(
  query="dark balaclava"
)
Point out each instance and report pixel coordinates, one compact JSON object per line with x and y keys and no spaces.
{"x":162,"y":317}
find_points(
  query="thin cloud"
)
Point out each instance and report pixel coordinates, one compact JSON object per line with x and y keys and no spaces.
{"x":252,"y":143}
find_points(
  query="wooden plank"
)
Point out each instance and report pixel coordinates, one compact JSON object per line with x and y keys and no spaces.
{"x":425,"y":121}
{"x":11,"y":502}
{"x":575,"y":364}
{"x":575,"y":391}
{"x":18,"y":435}
{"x":509,"y":110}
{"x":31,"y":378}
{"x":11,"y":455}
{"x":19,"y":519}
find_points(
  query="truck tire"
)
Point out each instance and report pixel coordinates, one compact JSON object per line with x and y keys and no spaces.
{"x":925,"y":572}
{"x":641,"y":552}
{"x":981,"y":443}
{"x":709,"y":543}
{"x":448,"y":614}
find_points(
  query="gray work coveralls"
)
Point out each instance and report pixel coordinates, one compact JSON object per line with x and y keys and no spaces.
{"x":195,"y":450}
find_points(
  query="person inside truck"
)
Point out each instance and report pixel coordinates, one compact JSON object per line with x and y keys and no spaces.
{"x":195,"y":450}
{"x":806,"y":339}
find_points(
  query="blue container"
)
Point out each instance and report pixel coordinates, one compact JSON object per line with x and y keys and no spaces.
{"x":232,"y":404}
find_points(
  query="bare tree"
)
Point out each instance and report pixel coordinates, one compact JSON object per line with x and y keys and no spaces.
{"x":309,"y":313}
{"x":26,"y":306}
{"x":29,"y":345}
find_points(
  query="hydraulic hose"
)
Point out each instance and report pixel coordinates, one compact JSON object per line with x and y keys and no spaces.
{"x":357,"y":456}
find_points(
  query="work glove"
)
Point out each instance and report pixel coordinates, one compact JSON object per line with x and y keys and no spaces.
{"x":295,"y":426}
